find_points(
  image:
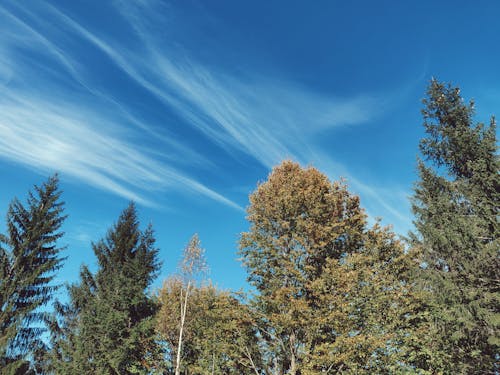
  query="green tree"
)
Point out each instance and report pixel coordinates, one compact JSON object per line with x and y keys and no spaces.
{"x":219,"y":335}
{"x":193,"y":265}
{"x":29,"y":258}
{"x":295,"y":217}
{"x":367,"y":310}
{"x":456,"y":205}
{"x":306,"y":235}
{"x":108,"y":328}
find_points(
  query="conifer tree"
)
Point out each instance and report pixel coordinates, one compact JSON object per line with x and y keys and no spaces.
{"x":456,"y":206}
{"x":29,"y":258}
{"x":108,"y":328}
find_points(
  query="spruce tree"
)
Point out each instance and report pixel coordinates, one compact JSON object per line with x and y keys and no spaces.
{"x":108,"y":328}
{"x":456,"y":206}
{"x":29,"y":258}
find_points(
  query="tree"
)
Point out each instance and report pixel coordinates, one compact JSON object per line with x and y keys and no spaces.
{"x":456,"y":205}
{"x":295,"y":217}
{"x":306,"y":235}
{"x":27,"y":268}
{"x":192,"y":265}
{"x":219,"y":335}
{"x":368,"y":311}
{"x":109,"y":326}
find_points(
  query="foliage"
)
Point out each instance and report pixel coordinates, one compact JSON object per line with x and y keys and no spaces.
{"x":367,"y":310}
{"x":219,"y":335}
{"x":192,"y":265}
{"x":322,"y":277}
{"x":109,"y":327}
{"x":332,"y":294}
{"x":456,"y":205}
{"x":27,"y":268}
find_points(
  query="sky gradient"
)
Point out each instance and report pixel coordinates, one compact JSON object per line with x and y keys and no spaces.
{"x":184,"y":106}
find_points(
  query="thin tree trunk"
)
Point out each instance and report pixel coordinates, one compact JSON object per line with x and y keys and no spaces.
{"x":249,"y":356}
{"x":293,"y":365}
{"x":293,"y":362}
{"x":181,"y":329}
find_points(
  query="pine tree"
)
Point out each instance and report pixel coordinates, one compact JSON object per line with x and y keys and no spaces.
{"x":456,"y":205}
{"x":28,"y":264}
{"x":109,"y":327}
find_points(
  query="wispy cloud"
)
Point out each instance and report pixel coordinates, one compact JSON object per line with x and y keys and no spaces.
{"x":49,"y":135}
{"x":266,"y":118}
{"x":250,"y":114}
{"x":45,"y":126}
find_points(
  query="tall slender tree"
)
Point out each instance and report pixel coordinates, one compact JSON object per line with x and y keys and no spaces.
{"x":29,"y":259}
{"x":109,"y":326}
{"x":456,"y":205}
{"x":193,"y":265}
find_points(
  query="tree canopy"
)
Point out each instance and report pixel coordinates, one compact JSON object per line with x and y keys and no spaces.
{"x":110,"y":315}
{"x":29,"y":259}
{"x":331,"y":290}
{"x":456,"y":205}
{"x":323,"y":276}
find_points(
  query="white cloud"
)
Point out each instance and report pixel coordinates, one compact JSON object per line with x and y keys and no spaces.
{"x":48,"y":135}
{"x":265,"y":118}
{"x":48,"y":127}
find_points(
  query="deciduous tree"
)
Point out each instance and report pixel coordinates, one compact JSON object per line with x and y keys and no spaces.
{"x":323,"y":277}
{"x":192,"y":266}
{"x":219,"y":335}
{"x":298,"y":221}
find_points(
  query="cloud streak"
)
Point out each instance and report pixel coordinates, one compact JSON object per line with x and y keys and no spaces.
{"x":266,"y":119}
{"x":46,"y":126}
{"x":48,"y":135}
{"x":42,"y":127}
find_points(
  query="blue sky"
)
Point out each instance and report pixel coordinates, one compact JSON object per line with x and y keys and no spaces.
{"x":183,"y":106}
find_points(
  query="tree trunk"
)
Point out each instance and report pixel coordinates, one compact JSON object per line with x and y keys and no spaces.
{"x":293,"y":361}
{"x":181,"y":329}
{"x":293,"y":365}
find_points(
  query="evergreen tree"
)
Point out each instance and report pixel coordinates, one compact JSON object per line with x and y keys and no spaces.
{"x":456,"y":206}
{"x":323,"y":278}
{"x":109,"y":327}
{"x":29,"y":258}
